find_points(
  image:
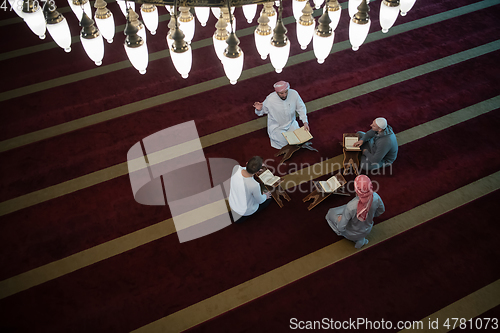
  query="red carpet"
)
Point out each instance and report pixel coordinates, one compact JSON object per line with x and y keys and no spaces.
{"x":407,"y":277}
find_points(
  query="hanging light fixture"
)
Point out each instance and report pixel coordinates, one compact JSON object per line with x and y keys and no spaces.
{"x":225,"y":14}
{"x":249,"y":12}
{"x":150,"y":16}
{"x":124,"y":6}
{"x":359,"y":26}
{"x":389,"y":11}
{"x":202,"y":14}
{"x":406,"y":6}
{"x":305,"y":26}
{"x":33,"y":16}
{"x":180,"y":52}
{"x":280,"y":44}
{"x":263,"y":36}
{"x":104,"y":20}
{"x":171,"y":27}
{"x":134,"y":19}
{"x":135,"y":46}
{"x":269,"y":10}
{"x":57,"y":27}
{"x":186,"y":24}
{"x":334,"y":11}
{"x":297,"y":6}
{"x":232,"y":58}
{"x":80,"y":6}
{"x":91,"y":40}
{"x":323,"y":37}
{"x":352,"y":7}
{"x":220,"y":36}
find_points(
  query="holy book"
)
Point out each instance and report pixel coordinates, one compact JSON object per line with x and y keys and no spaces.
{"x":268,"y":178}
{"x":330,"y":185}
{"x":349,"y":142}
{"x":298,"y":136}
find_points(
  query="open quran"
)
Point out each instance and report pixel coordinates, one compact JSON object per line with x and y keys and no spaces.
{"x":268,"y":178}
{"x":349,"y":142}
{"x":298,"y":136}
{"x":329,"y":185}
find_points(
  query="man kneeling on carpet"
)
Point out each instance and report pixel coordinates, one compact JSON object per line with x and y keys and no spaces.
{"x":379,"y":145}
{"x":245,"y":196}
{"x":354,"y":221}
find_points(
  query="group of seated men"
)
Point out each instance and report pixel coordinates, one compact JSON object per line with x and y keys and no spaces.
{"x":354,"y":220}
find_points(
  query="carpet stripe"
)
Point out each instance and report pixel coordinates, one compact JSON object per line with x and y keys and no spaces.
{"x":251,"y":125}
{"x":122,"y":244}
{"x":468,"y":307}
{"x":279,"y":277}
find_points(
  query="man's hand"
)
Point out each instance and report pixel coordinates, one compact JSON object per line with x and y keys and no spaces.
{"x":268,"y":195}
{"x":257,"y":106}
{"x":358,"y":143}
{"x":339,"y":218}
{"x":306,"y":127}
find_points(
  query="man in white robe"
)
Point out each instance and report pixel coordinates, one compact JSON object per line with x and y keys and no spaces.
{"x":245,"y":197}
{"x":280,"y":107}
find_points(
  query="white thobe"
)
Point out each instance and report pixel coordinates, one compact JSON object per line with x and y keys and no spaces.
{"x":244,"y":195}
{"x":281,"y":115}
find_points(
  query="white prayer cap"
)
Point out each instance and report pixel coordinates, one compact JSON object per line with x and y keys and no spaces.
{"x":381,"y":122}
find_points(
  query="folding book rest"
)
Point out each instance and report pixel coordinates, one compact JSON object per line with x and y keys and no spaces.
{"x":318,"y":195}
{"x":288,"y":150}
{"x":276,"y":190}
{"x":351,"y":157}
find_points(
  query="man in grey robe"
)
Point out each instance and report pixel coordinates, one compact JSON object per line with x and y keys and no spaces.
{"x":379,"y":145}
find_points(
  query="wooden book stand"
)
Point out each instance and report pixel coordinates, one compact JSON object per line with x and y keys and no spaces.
{"x":276,"y":190}
{"x":318,"y":195}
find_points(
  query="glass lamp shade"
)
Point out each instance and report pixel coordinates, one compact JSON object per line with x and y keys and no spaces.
{"x":353,"y":7}
{"x":335,"y":18}
{"x":228,"y":28}
{"x":188,"y":30}
{"x":142,"y":32}
{"x":123,"y":6}
{"x":219,"y":46}
{"x":249,"y":11}
{"x":170,"y":9}
{"x":61,"y":34}
{"x":304,"y":34}
{"x":322,"y":47}
{"x":14,"y":4}
{"x":297,"y":7}
{"x":233,"y":67}
{"x":318,"y":3}
{"x":358,"y":33}
{"x":388,"y":16}
{"x":138,"y":56}
{"x":36,"y":22}
{"x":77,"y":9}
{"x":279,"y":56}
{"x":182,"y":61}
{"x":406,"y":6}
{"x":106,"y":27}
{"x":150,"y":20}
{"x":94,"y":48}
{"x":202,"y":14}
{"x":263,"y":44}
{"x":215,"y":12}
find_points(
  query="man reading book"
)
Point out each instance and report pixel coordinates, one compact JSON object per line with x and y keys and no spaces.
{"x":280,"y":107}
{"x":379,"y":145}
{"x":245,"y":197}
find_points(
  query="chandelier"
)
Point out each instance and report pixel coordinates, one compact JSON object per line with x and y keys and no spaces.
{"x":270,"y":35}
